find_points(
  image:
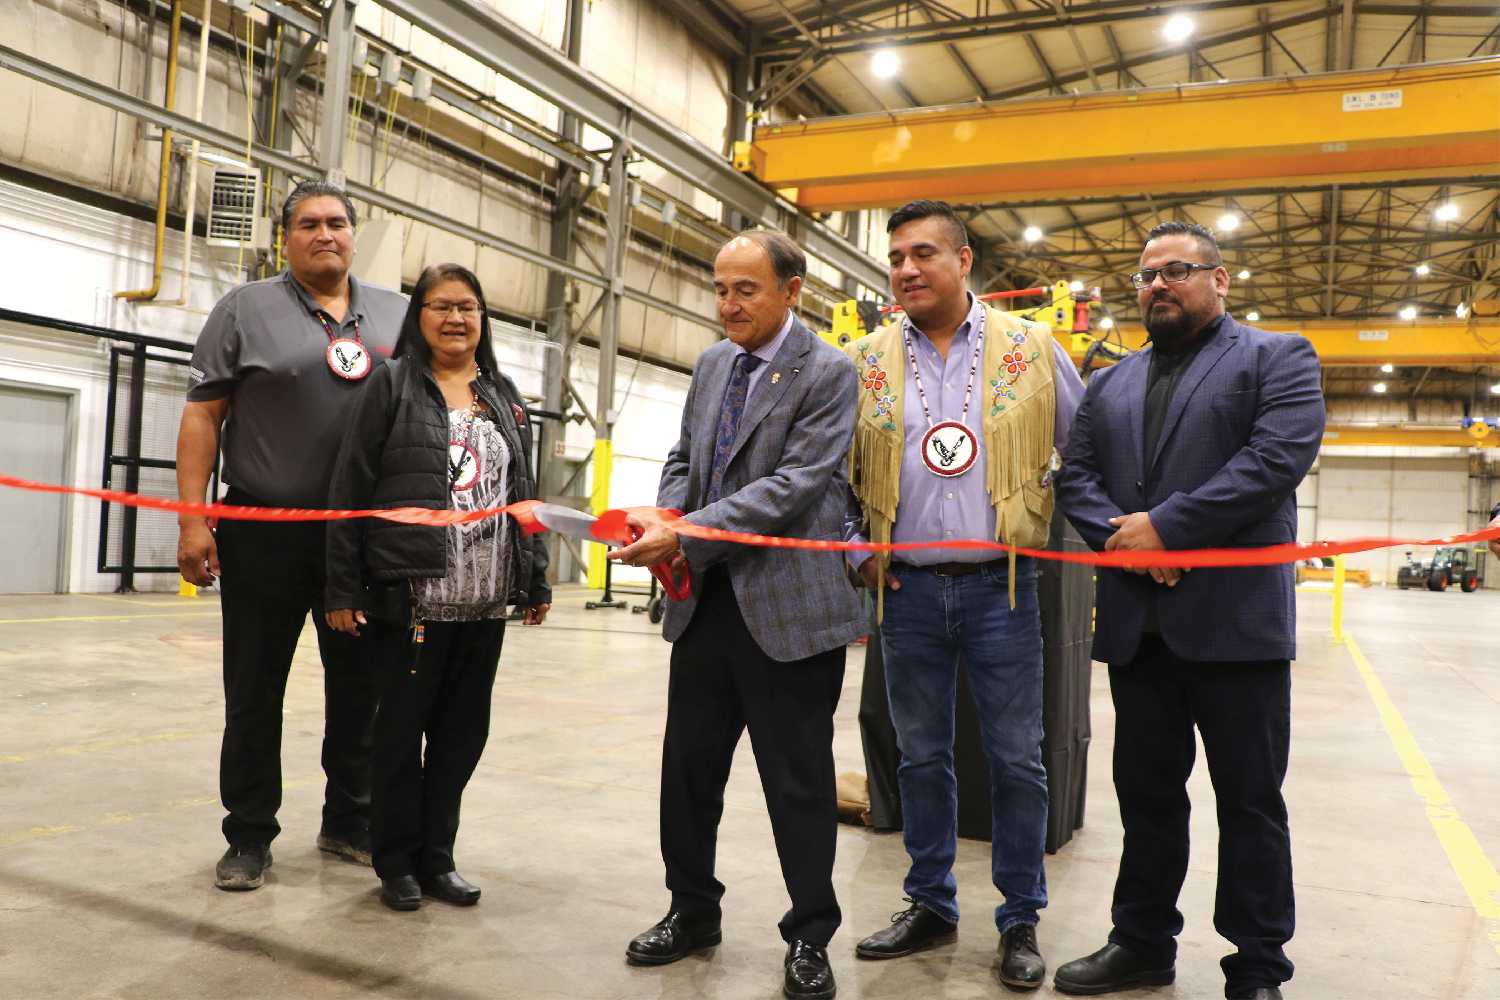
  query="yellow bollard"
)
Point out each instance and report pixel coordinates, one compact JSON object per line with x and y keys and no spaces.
{"x":1338,"y":598}
{"x":599,"y":503}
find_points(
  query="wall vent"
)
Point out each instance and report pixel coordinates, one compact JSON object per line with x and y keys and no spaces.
{"x":234,"y":210}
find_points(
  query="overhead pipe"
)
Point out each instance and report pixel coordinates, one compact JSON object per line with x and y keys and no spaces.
{"x":192,"y":160}
{"x":173,"y":40}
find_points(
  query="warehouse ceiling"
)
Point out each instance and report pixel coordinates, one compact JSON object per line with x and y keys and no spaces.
{"x":1354,"y":252}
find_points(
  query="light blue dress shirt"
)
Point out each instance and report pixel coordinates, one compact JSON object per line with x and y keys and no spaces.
{"x":766,"y":352}
{"x":932,"y":507}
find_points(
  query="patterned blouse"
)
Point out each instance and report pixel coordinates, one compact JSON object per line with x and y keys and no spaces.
{"x":478,"y":579}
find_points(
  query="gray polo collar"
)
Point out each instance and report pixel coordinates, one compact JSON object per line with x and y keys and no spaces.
{"x":309,"y":303}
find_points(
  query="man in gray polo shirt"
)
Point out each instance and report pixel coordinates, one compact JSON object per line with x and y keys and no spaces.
{"x":278,"y":367}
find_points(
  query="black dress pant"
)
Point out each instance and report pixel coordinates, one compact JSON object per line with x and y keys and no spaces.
{"x":439,"y":688}
{"x":1243,"y":711}
{"x":272,"y":578}
{"x":722,"y":683}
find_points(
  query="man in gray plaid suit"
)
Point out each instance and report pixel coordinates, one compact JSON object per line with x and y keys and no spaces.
{"x":765,"y":439}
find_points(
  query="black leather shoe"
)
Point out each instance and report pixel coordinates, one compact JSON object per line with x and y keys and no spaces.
{"x":1109,"y":969}
{"x":912,"y":929}
{"x":1021,"y":965}
{"x":401,"y":892}
{"x":354,"y":846}
{"x":672,"y":938}
{"x":808,"y":974}
{"x":450,"y":888}
{"x":1264,"y":993}
{"x":242,"y":867}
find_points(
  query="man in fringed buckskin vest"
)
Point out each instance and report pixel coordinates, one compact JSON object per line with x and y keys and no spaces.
{"x":962,"y":412}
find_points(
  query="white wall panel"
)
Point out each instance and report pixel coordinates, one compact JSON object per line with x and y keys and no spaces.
{"x":1391,"y":497}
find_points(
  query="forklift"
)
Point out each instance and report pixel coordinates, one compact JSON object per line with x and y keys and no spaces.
{"x":1460,"y":564}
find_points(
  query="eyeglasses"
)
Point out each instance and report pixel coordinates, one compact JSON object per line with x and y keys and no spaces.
{"x":1178,"y":270}
{"x":468,"y":310}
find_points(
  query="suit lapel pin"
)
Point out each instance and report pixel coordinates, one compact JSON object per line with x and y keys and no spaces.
{"x":775,"y":377}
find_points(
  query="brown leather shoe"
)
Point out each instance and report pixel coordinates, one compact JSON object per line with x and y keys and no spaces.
{"x":913,"y":929}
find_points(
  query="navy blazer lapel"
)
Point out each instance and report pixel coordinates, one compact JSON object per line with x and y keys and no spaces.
{"x":772,"y":385}
{"x":1198,"y":369}
{"x":706,"y":429}
{"x":1134,"y":388}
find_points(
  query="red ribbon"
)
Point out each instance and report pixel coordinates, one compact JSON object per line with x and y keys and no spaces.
{"x":612,"y":526}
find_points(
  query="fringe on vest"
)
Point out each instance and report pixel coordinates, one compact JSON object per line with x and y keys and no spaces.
{"x":871,"y":461}
{"x":1015,"y":452}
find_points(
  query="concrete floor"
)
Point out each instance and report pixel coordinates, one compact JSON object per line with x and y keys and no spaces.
{"x":109,"y":737}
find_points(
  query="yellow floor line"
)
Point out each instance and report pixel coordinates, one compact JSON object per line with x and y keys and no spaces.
{"x":108,"y":618}
{"x":144,"y":600}
{"x":1474,"y":870}
{"x":117,"y":818}
{"x":102,"y":745}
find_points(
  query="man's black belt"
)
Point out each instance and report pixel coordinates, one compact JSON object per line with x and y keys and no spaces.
{"x":949,"y":568}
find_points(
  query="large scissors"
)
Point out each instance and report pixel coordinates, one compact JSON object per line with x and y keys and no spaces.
{"x":581,"y":525}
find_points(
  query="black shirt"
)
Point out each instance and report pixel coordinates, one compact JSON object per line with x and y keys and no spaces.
{"x":1165,"y":372}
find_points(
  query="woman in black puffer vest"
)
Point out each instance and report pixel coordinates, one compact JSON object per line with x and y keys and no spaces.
{"x":437,"y":427}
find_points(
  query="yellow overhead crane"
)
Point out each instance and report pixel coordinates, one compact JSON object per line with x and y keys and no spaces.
{"x":1467,"y":434}
{"x":1452,"y":342}
{"x":1430,"y":120}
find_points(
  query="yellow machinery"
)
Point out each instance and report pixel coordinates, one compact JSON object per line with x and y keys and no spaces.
{"x":1065,"y":312}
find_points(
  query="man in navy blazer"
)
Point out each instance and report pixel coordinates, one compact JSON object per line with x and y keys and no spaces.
{"x":1199,"y":441}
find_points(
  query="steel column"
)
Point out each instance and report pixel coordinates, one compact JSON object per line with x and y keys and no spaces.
{"x":553,"y":480}
{"x":337,"y":66}
{"x":614,"y":262}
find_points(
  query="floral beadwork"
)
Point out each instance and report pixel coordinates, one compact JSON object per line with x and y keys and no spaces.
{"x":875,"y":380}
{"x":1000,"y":390}
{"x":1013,"y":364}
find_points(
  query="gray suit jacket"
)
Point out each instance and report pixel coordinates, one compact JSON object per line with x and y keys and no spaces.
{"x":787,"y":476}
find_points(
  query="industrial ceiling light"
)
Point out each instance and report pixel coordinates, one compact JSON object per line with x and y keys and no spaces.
{"x":1177,"y":28}
{"x":1032,"y":234}
{"x":1446,"y":212}
{"x":1245,"y":274}
{"x":1387,"y":368}
{"x":1107,"y":323}
{"x":1495,"y":389}
{"x":1423,"y":270}
{"x":1252,"y":315}
{"x":885,"y":64}
{"x":1378,"y":387}
{"x":1075,"y":285}
{"x":1461,"y":311}
{"x":1408,"y":312}
{"x":1229,"y":222}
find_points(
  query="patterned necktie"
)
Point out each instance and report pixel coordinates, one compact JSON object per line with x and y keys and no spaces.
{"x":729,"y":420}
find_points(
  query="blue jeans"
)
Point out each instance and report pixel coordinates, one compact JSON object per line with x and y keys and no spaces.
{"x":928,"y":623}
